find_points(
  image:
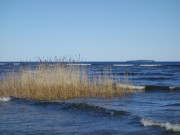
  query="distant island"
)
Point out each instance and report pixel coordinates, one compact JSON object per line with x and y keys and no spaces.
{"x":140,"y":61}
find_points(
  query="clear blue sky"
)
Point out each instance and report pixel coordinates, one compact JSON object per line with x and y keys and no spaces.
{"x":98,"y":30}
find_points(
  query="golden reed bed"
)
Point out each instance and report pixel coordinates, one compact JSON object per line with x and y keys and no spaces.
{"x":59,"y":82}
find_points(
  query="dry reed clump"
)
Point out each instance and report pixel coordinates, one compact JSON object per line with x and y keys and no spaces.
{"x":59,"y":82}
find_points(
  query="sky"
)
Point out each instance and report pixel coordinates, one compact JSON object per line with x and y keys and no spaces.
{"x":98,"y":30}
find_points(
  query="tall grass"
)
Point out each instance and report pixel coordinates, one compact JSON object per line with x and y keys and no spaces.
{"x":60,"y":82}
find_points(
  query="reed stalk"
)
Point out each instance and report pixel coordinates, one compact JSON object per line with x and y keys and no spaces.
{"x":59,"y":82}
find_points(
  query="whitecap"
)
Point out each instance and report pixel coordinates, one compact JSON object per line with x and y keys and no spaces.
{"x":124,"y":65}
{"x":80,"y":64}
{"x":171,"y":87}
{"x":138,"y":88}
{"x":174,"y":88}
{"x":147,"y":65}
{"x":16,"y":64}
{"x":166,"y":125}
{"x":5,"y":99}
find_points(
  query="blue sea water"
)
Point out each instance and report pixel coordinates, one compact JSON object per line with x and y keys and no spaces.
{"x":155,"y":111}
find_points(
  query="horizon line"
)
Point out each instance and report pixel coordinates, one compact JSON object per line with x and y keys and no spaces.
{"x":99,"y":61}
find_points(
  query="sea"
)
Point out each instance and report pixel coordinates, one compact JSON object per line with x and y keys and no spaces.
{"x":153,"y":110}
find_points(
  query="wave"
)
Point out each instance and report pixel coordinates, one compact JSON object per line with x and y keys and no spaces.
{"x":167,"y":125}
{"x":134,"y":87}
{"x":175,"y":104}
{"x":152,"y":87}
{"x":16,"y":64}
{"x":124,"y":65}
{"x":147,"y":65}
{"x":154,"y":78}
{"x":1,"y":64}
{"x":83,"y":107}
{"x":152,"y":73}
{"x":5,"y":99}
{"x":80,"y":64}
{"x":69,"y":106}
{"x":175,"y":65}
{"x":142,"y":88}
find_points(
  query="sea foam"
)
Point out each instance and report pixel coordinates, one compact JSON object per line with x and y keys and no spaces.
{"x":167,"y":125}
{"x":80,"y":64}
{"x":147,"y":65}
{"x":134,"y":87}
{"x":5,"y":99}
{"x":124,"y":65}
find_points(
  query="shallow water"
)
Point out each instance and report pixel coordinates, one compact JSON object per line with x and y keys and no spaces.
{"x":155,"y":111}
